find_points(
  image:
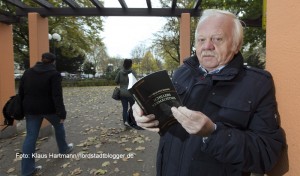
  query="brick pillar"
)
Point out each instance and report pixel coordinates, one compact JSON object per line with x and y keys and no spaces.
{"x":38,"y":44}
{"x":185,"y":36}
{"x":7,"y":81}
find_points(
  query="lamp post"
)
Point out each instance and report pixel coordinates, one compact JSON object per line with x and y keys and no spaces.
{"x":92,"y":69}
{"x":110,"y":67}
{"x":53,"y":39}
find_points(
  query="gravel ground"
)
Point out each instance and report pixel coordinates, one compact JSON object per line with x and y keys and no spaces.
{"x":103,"y":146}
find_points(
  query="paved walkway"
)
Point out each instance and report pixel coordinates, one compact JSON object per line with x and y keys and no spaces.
{"x":103,"y":146}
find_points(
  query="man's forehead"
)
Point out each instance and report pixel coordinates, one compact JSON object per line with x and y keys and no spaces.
{"x":215,"y":25}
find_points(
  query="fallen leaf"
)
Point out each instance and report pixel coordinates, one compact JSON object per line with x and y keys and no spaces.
{"x":136,"y":174}
{"x":60,"y":174}
{"x":106,"y":163}
{"x":140,"y":148}
{"x":76,"y":171}
{"x":117,"y":169}
{"x":128,"y":149}
{"x":100,"y":171}
{"x":10,"y":170}
{"x":65,"y":165}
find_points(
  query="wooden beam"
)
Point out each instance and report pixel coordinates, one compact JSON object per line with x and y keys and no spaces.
{"x":252,"y":22}
{"x":158,"y":12}
{"x":197,"y":4}
{"x":9,"y":19}
{"x":97,"y":3}
{"x":149,"y":4}
{"x":174,"y":4}
{"x":72,"y":4}
{"x":5,"y":13}
{"x":44,"y":3}
{"x":123,"y":4}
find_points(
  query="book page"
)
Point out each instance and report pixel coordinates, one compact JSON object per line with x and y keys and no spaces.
{"x":132,"y":80}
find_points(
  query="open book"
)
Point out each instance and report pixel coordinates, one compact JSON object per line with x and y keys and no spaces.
{"x":155,"y":94}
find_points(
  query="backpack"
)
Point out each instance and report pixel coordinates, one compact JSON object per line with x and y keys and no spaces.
{"x":12,"y":110}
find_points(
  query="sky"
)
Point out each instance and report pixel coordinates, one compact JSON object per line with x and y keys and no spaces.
{"x":122,"y":34}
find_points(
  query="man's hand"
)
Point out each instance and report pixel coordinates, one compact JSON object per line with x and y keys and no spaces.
{"x":194,"y":122}
{"x":147,"y":122}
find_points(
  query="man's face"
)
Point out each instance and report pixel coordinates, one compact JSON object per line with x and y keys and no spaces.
{"x":214,"y":45}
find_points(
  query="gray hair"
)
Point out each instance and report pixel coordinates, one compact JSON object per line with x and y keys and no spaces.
{"x":237,"y":32}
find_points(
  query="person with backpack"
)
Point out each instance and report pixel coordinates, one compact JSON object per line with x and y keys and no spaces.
{"x":126,"y":98}
{"x":41,"y":93}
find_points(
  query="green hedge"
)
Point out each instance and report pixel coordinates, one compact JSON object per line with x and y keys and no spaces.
{"x":87,"y":82}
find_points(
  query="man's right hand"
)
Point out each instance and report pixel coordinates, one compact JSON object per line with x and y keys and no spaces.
{"x":147,"y":122}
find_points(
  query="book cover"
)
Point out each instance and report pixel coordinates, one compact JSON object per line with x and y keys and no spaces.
{"x":155,"y":94}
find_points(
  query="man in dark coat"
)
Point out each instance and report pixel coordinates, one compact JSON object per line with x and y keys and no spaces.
{"x":228,"y":125}
{"x":41,"y":93}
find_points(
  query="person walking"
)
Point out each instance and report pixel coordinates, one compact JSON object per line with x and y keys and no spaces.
{"x":228,"y":124}
{"x":42,"y":97}
{"x":126,"y":98}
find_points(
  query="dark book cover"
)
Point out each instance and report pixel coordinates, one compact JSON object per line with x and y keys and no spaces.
{"x":155,"y":94}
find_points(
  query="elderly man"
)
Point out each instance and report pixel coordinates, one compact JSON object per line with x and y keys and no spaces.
{"x":229,"y":123}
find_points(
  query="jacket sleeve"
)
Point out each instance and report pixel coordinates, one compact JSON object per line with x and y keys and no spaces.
{"x":21,"y":87}
{"x":117,"y":78}
{"x":57,"y":95}
{"x":257,"y":148}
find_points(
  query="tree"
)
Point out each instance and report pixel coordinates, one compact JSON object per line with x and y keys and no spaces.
{"x":256,"y":58}
{"x":77,"y":32}
{"x":88,"y":68}
{"x":137,"y":54}
{"x":170,"y":64}
{"x":149,"y":64}
{"x":98,"y":56}
{"x":68,"y":64}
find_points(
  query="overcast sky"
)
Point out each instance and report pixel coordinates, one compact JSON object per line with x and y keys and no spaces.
{"x":122,"y":34}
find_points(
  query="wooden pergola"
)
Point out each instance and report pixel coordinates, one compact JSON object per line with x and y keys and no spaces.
{"x":72,"y":8}
{"x":38,"y":31}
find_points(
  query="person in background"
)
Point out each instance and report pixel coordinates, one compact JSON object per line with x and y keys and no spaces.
{"x":42,"y":97}
{"x":126,"y":98}
{"x":229,"y":123}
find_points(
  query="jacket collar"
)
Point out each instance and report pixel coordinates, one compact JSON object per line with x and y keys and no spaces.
{"x":227,"y":73}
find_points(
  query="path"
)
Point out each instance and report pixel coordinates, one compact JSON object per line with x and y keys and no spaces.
{"x":94,"y":126}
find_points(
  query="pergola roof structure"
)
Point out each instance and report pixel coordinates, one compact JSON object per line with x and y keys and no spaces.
{"x":47,"y":9}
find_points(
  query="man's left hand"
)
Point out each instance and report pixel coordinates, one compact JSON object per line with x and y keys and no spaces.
{"x":194,"y":122}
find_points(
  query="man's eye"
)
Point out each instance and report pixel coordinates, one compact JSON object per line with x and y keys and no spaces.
{"x":217,"y":40}
{"x":201,"y":40}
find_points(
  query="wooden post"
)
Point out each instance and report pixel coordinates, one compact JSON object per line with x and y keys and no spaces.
{"x":185,"y":36}
{"x":38,"y":44}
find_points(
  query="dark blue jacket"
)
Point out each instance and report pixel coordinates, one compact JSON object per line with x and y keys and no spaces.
{"x":241,"y":101}
{"x":41,"y":91}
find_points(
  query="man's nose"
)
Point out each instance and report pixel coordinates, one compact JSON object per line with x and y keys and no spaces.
{"x":208,"y":45}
